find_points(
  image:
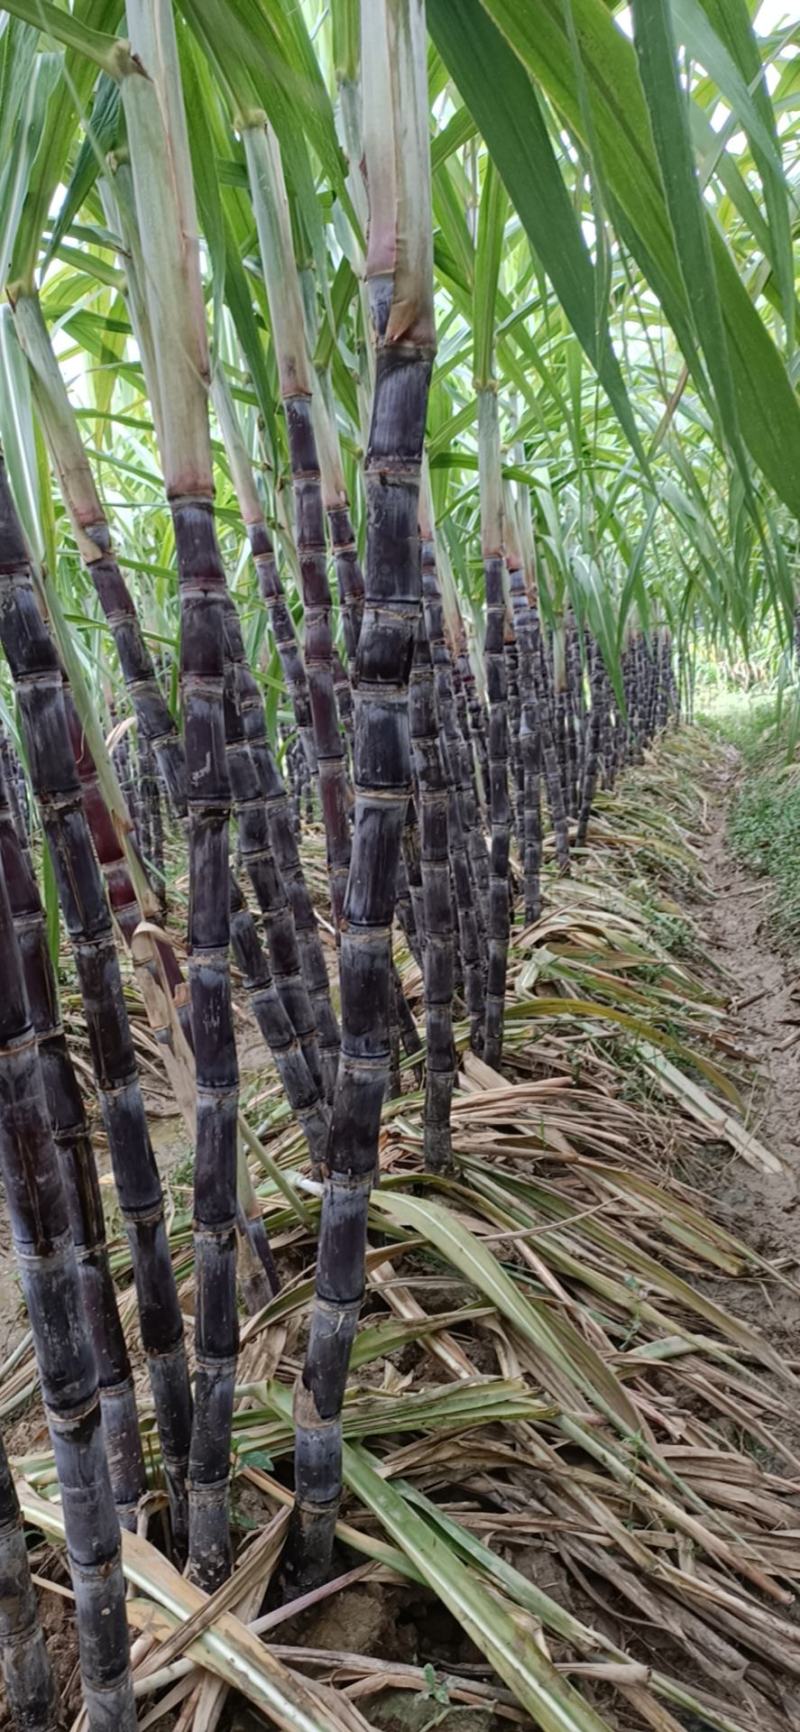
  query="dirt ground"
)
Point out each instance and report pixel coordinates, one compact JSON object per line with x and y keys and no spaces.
{"x":761,"y":1208}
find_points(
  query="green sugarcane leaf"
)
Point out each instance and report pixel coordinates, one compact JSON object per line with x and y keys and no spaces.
{"x":103,"y":131}
{"x":89,"y":24}
{"x":482,"y":63}
{"x":52,"y":909}
{"x":767,"y":406}
{"x":28,"y":81}
{"x":459,"y":130}
{"x":556,"y":1340}
{"x":68,"y":29}
{"x":554,"y":1705}
{"x":668,"y":107}
{"x":491,"y":229}
{"x":377,"y":1340}
{"x":732,"y":29}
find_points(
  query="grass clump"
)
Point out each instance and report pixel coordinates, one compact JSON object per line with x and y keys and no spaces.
{"x":764,"y":832}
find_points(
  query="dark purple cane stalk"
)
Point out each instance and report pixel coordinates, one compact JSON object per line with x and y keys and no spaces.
{"x":242,"y":696}
{"x":30,"y":1686}
{"x":474,"y":727}
{"x":78,"y":1173}
{"x":400,"y":277}
{"x":292,"y":1036}
{"x":296,"y":383}
{"x":152,"y":839}
{"x":282,"y":625}
{"x":344,"y":697}
{"x":550,"y":761}
{"x":498,"y":754}
{"x":411,"y":861}
{"x":433,"y":802}
{"x":349,"y":577}
{"x":664,"y":699}
{"x":473,"y":806}
{"x":517,"y":768}
{"x":14,"y":778}
{"x":157,"y":731}
{"x":51,"y":1285}
{"x":283,"y":841}
{"x":405,"y":914}
{"x":152,"y":102}
{"x":458,"y":805}
{"x":37,"y":679}
{"x":530,"y":836}
{"x":575,"y":712}
{"x":599,"y":694}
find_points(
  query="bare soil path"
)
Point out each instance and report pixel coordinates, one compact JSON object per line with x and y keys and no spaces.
{"x":763,"y":1208}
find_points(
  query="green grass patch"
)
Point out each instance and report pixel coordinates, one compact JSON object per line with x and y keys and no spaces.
{"x":749,"y":723}
{"x":764,"y":832}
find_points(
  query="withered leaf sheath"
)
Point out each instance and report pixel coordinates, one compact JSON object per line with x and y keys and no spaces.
{"x":458,"y":804}
{"x":37,"y":679}
{"x":203,"y":605}
{"x":432,"y":796}
{"x":30,"y":1687}
{"x":51,"y":1285}
{"x":78,"y":1174}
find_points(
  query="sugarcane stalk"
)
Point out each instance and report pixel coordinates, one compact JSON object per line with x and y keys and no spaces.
{"x":400,"y":278}
{"x":599,"y":685}
{"x":152,"y":101}
{"x":78,"y":1174}
{"x":271,"y":207}
{"x":550,"y":761}
{"x":157,"y":732}
{"x":530,"y":838}
{"x":432,"y":799}
{"x":281,"y":622}
{"x":292,"y":929}
{"x":453,"y":752}
{"x":48,"y":1268}
{"x":37,"y":679}
{"x":30,"y":1686}
{"x":496,"y":682}
{"x":473,"y":803}
{"x":472,"y":720}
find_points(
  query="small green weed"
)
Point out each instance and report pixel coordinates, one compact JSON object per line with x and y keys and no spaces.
{"x":764,"y":832}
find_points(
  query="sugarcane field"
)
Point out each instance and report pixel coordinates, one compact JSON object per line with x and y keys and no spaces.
{"x":399,"y":865}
